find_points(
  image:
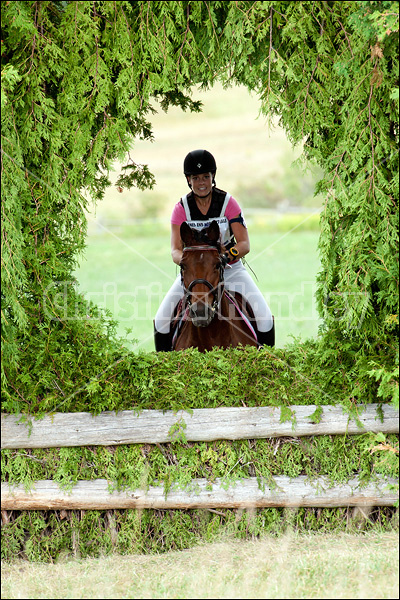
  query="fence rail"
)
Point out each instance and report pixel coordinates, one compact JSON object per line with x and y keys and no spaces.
{"x":298,"y":492}
{"x":156,"y":426}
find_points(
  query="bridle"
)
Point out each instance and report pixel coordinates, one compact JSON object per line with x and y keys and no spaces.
{"x":216,"y":291}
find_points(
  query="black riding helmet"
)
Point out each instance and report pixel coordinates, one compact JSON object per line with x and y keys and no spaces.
{"x":199,"y":161}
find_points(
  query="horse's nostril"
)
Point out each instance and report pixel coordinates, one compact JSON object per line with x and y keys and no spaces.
{"x":198,"y":309}
{"x":201,"y":314}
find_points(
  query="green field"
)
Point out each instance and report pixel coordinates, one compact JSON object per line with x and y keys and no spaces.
{"x":129,"y":275}
{"x":290,"y":566}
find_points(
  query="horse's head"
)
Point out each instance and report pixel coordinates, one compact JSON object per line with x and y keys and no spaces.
{"x":202,"y":272}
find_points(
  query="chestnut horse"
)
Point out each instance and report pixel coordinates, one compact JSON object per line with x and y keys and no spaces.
{"x":208,"y":315}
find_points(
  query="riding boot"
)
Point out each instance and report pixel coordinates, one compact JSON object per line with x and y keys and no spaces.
{"x":162,"y":341}
{"x":267,"y":338}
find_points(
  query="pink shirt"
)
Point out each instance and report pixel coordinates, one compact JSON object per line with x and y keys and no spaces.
{"x":232,"y":210}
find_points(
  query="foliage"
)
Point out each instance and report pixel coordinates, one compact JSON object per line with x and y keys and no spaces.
{"x":349,"y":124}
{"x":77,"y":83}
{"x":47,"y":536}
{"x":111,"y":378}
{"x":69,"y":110}
{"x":337,"y":458}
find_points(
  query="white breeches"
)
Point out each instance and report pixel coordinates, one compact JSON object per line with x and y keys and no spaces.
{"x":236,"y":279}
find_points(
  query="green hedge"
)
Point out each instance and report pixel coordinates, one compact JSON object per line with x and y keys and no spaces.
{"x":337,"y":457}
{"x":46,"y":536}
{"x":90,"y":379}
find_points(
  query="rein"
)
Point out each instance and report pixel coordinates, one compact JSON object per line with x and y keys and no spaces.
{"x":241,"y":313}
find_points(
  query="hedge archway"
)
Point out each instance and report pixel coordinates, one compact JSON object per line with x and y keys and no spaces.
{"x":77,"y":79}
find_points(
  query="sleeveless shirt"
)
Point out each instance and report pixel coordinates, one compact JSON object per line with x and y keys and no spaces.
{"x":216,"y":212}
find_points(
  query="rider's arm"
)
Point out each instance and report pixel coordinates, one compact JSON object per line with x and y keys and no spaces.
{"x":176,"y":244}
{"x":242,"y":239}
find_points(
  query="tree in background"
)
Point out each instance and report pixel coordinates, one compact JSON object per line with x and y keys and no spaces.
{"x":77,"y":82}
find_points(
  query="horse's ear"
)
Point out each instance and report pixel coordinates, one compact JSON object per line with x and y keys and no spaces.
{"x":213,"y":232}
{"x":187,"y":234}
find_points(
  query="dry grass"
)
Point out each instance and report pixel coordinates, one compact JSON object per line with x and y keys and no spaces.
{"x":293,"y":566}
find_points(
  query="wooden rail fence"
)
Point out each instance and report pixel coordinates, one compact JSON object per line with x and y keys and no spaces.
{"x":202,"y":425}
{"x":153,"y":426}
{"x":244,"y":493}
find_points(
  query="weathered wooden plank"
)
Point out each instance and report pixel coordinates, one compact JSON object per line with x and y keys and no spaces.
{"x":94,"y":495}
{"x":205,"y":424}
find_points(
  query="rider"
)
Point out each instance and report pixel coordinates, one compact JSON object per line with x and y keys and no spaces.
{"x":202,"y":205}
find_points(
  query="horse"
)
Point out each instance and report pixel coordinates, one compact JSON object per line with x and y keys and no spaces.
{"x":208,"y":315}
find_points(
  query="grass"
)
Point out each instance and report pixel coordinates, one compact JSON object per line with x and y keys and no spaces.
{"x":291,"y":566}
{"x":130,"y":276}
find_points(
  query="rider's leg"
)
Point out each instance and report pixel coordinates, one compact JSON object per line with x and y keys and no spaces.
{"x":162,"y":341}
{"x":237,"y":279}
{"x":267,"y":338}
{"x":162,"y":320}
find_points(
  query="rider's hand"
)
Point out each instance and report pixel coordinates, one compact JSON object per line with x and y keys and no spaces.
{"x":231,"y":255}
